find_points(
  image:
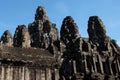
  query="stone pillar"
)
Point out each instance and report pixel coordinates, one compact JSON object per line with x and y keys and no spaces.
{"x":42,"y":74}
{"x":85,"y":63}
{"x":45,"y":74}
{"x":0,"y":72}
{"x":23,"y":73}
{"x":27,"y":74}
{"x":111,"y":72}
{"x":118,"y":65}
{"x":92,"y":66}
{"x":15,"y":73}
{"x":74,"y":67}
{"x":3,"y":73}
{"x":56,"y":74}
{"x":33,"y":73}
{"x":38,"y":74}
{"x":48,"y":77}
{"x":11,"y":73}
{"x":94,"y":63}
{"x":8,"y":73}
{"x":20,"y":73}
{"x":49,"y":73}
{"x":100,"y":63}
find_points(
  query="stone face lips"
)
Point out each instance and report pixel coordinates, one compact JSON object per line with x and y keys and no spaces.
{"x":21,"y":37}
{"x":6,"y":38}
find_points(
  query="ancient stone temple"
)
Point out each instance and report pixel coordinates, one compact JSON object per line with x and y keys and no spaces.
{"x":37,"y":52}
{"x":93,"y":58}
{"x":33,"y":52}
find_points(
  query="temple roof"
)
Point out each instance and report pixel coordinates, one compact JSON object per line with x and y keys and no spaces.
{"x":27,"y":55}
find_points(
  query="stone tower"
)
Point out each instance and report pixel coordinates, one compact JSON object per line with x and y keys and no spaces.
{"x":21,"y":37}
{"x":43,"y":33}
{"x":6,"y":38}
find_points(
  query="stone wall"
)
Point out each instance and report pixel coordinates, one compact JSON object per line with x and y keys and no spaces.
{"x":27,"y":64}
{"x":10,"y":72}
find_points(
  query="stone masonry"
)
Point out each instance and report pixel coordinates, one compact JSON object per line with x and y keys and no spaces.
{"x":38,"y":52}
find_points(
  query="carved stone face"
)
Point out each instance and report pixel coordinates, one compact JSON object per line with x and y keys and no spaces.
{"x":21,"y":37}
{"x":69,"y":30}
{"x":40,"y":13}
{"x":96,"y":29}
{"x":6,"y":38}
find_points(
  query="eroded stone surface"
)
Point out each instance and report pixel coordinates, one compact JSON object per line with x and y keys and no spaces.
{"x":69,"y":30}
{"x":94,"y":58}
{"x":43,"y":33}
{"x":41,"y":14}
{"x":96,"y":29}
{"x":71,"y":41}
{"x":88,"y":58}
{"x":21,"y":37}
{"x":6,"y":38}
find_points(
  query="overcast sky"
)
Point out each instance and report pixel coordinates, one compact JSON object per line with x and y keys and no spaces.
{"x":17,"y":12}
